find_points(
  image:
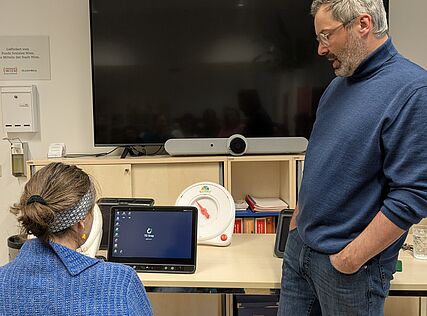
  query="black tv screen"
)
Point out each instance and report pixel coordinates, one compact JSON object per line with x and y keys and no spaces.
{"x":203,"y":68}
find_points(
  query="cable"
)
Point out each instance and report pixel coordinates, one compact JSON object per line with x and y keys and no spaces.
{"x":156,"y":152}
{"x":138,"y":152}
{"x":145,"y":152}
{"x":133,"y":151}
{"x":91,"y":155}
{"x":107,"y":153}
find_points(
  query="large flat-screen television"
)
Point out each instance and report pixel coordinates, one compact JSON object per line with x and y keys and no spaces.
{"x":202,"y":69}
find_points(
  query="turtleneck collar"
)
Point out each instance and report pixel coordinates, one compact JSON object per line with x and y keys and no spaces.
{"x":374,"y":61}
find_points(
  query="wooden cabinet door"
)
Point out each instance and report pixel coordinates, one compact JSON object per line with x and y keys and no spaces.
{"x":164,"y":182}
{"x":111,"y":180}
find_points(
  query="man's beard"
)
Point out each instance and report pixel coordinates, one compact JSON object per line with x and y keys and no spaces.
{"x":350,"y":57}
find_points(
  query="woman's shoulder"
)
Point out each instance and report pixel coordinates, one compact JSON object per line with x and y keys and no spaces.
{"x":115,"y":268}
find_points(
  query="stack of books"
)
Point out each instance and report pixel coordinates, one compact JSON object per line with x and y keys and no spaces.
{"x":258,"y":225}
{"x":241,"y":205}
{"x":265,"y":204}
{"x":260,"y":217}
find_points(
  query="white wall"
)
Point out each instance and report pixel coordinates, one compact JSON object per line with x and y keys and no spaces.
{"x":407,"y":26}
{"x":65,"y":100}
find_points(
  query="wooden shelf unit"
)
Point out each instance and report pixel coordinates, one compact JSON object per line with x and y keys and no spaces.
{"x":164,"y":178}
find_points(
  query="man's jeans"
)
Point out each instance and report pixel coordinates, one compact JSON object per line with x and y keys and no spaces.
{"x":312,"y":286}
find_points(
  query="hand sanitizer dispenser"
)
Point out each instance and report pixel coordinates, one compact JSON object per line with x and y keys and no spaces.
{"x":19,"y":152}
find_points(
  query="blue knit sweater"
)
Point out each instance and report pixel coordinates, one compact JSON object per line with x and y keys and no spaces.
{"x":367,"y":153}
{"x":56,"y":280}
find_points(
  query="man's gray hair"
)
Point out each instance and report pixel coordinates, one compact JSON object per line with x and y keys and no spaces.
{"x":345,"y":10}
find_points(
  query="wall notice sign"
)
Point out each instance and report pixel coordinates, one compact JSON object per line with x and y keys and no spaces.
{"x":24,"y":58}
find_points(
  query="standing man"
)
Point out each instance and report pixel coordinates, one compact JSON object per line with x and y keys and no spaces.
{"x":365,"y":173}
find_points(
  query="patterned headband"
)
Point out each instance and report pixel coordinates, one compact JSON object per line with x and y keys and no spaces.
{"x":73,"y":215}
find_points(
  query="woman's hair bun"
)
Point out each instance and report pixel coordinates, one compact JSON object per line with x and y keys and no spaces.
{"x":35,"y":219}
{"x":51,"y":190}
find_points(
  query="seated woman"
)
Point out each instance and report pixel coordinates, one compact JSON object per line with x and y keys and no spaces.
{"x":49,"y":277}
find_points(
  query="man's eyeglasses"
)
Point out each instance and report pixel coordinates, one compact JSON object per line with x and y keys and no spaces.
{"x":323,"y":37}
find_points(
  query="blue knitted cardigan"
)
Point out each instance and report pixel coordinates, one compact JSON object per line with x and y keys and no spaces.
{"x":55,"y":280}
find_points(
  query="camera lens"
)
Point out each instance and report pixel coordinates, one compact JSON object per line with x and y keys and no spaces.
{"x":237,"y":145}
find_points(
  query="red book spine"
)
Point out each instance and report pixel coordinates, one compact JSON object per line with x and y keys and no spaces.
{"x":260,"y":224}
{"x":250,"y":202}
{"x":238,"y":226}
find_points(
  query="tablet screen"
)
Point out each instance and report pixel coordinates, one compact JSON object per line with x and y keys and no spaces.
{"x":105,"y":205}
{"x":157,"y":238}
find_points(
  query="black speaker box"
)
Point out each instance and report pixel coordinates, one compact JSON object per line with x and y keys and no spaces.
{"x":282,"y":231}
